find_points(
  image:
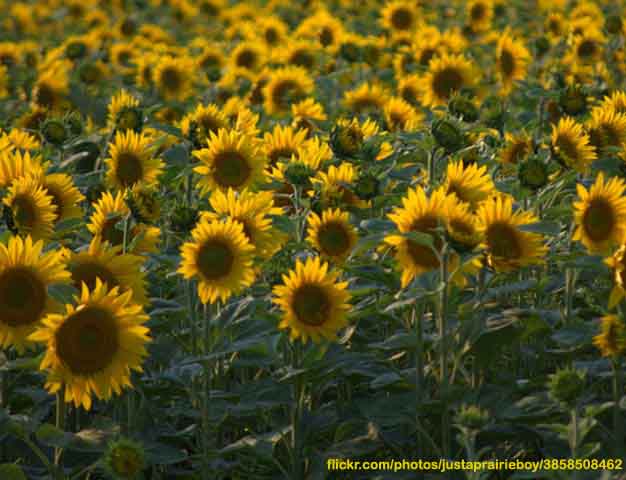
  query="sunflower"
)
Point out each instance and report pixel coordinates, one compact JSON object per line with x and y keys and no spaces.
{"x":124,"y":112}
{"x":300,"y":53}
{"x":508,"y":247}
{"x":221,"y":256}
{"x":172,"y":77}
{"x":555,"y":26}
{"x":409,"y":88}
{"x":65,"y":196}
{"x":14,"y":164}
{"x":307,"y":114}
{"x":616,"y":101}
{"x":113,"y":268}
{"x":132,"y":160}
{"x":282,"y":143}
{"x":272,"y":30}
{"x":400,"y":115}
{"x":606,"y":128}
{"x":51,"y":87}
{"x":462,"y":226}
{"x":92,"y":347}
{"x":617,"y":263}
{"x":470,"y":183}
{"x":231,"y":160}
{"x":399,"y":16}
{"x":421,"y":214}
{"x":570,"y":145}
{"x":200,"y":123}
{"x":33,"y":211}
{"x":600,"y":214}
{"x":332,"y":234}
{"x":517,"y":148}
{"x":324,"y":27}
{"x":611,"y":341}
{"x":253,"y":211}
{"x":512,"y":59}
{"x":286,"y":86}
{"x":248,"y":55}
{"x":334,"y":186}
{"x":479,"y":14}
{"x":21,"y":139}
{"x":446,"y":75}
{"x":366,"y":97}
{"x":313,"y":302}
{"x":25,"y":274}
{"x":587,"y":48}
{"x":107,"y":223}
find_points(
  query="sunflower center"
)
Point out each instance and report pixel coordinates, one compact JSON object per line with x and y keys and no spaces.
{"x":311,"y":305}
{"x":88,"y":272}
{"x":587,"y":49}
{"x":327,"y":37}
{"x":420,"y":254}
{"x":129,"y":168}
{"x":518,"y":151}
{"x":566,"y":147}
{"x":333,"y":238}
{"x":22,"y":297}
{"x":503,"y":241}
{"x":507,"y":63}
{"x":171,"y":79}
{"x":24,"y":212}
{"x":478,"y":12}
{"x":215,"y":259}
{"x":57,"y":199}
{"x":246,"y":59}
{"x":284,"y":92}
{"x":88,"y":340}
{"x":231,"y":169}
{"x":447,"y":81}
{"x":209,"y":124}
{"x":277,"y":154}
{"x":111,"y":233}
{"x":401,"y":19}
{"x":271,"y":36}
{"x":302,"y":58}
{"x":598,"y":220}
{"x":45,"y":95}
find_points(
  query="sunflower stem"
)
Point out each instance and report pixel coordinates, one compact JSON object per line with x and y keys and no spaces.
{"x":443,"y":364}
{"x":618,"y":427}
{"x":60,"y":421}
{"x":417,"y":314}
{"x":206,"y":393}
{"x":296,"y":421}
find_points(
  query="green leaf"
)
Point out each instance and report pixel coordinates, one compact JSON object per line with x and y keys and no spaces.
{"x":545,"y":228}
{"x":10,"y":471}
{"x":52,"y":436}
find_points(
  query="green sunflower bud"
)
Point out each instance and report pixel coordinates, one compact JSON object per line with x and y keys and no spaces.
{"x":129,"y":118}
{"x":533,"y":173}
{"x":448,"y":134}
{"x":463,"y":108}
{"x":75,"y":124}
{"x":125,"y":459}
{"x":566,"y":386}
{"x":472,"y":417}
{"x":346,"y":140}
{"x":54,"y":131}
{"x":573,"y":100}
{"x":299,"y":174}
{"x":183,"y":219}
{"x":367,"y":186}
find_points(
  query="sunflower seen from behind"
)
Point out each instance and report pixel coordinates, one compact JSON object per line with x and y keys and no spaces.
{"x":221,"y":257}
{"x":92,"y":348}
{"x":600,"y":214}
{"x":313,"y":302}
{"x":132,"y":161}
{"x":231,"y":159}
{"x":507,"y":246}
{"x":26,"y":272}
{"x":331,"y":234}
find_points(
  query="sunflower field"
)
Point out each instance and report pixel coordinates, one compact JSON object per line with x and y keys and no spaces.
{"x":291,"y":239}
